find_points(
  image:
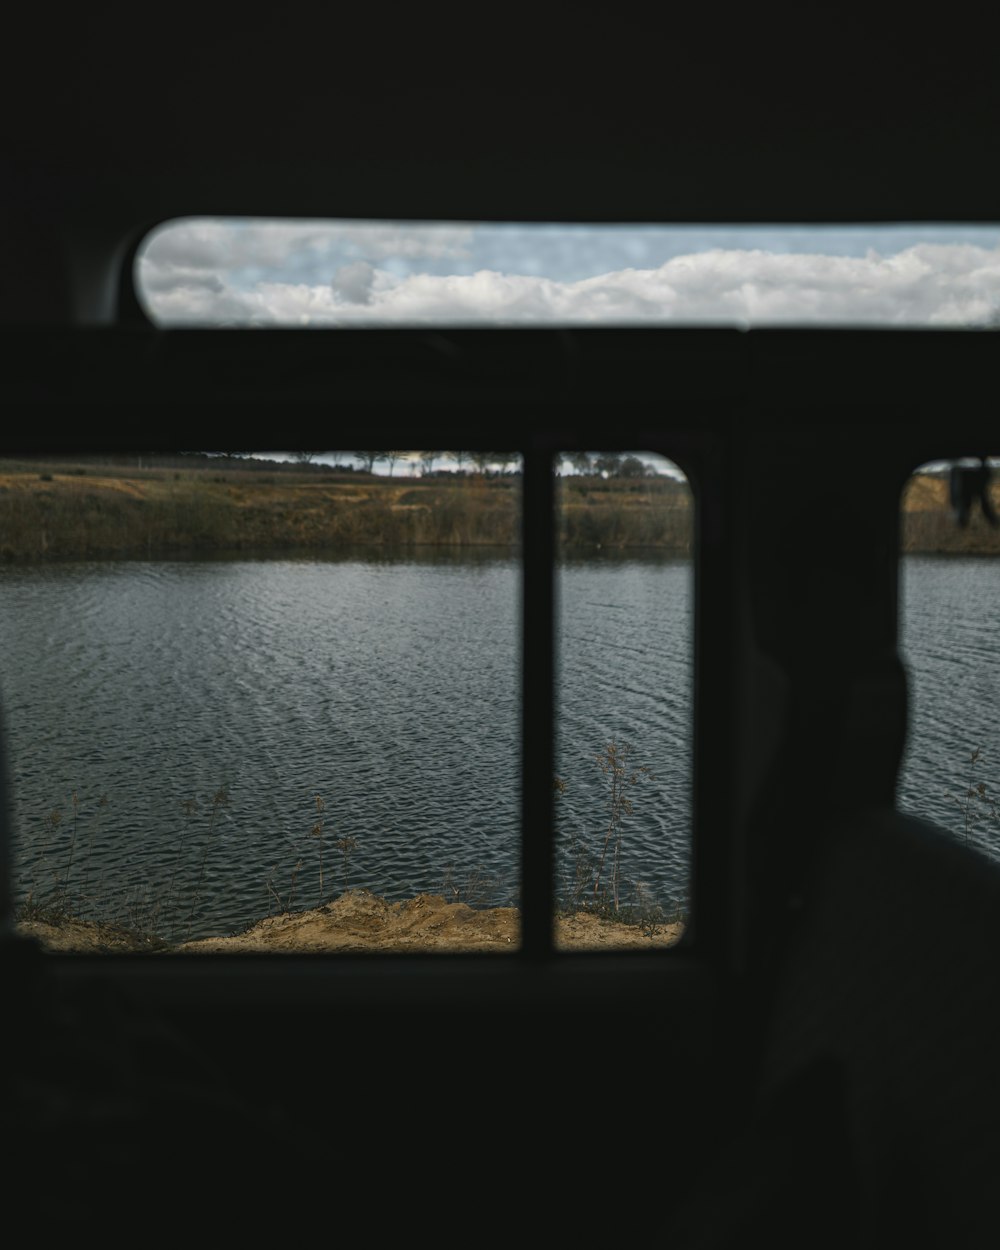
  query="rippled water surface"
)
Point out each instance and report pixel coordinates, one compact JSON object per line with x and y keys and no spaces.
{"x":210,"y":703}
{"x":173,"y":724}
{"x":625,"y":652}
{"x":232,"y":729}
{"x":950,"y":640}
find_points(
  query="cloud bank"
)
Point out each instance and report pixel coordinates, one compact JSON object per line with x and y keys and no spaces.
{"x":929,"y":284}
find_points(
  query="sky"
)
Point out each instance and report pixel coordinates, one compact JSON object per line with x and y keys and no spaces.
{"x":200,"y":271}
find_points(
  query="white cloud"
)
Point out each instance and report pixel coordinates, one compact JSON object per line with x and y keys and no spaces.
{"x":198,"y":305}
{"x":927,"y":284}
{"x":202,"y":243}
{"x":354,"y":282}
{"x":156,"y":278}
{"x":380,"y":240}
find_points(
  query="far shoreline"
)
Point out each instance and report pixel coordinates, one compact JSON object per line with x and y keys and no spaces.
{"x":57,"y":511}
{"x":202,"y":508}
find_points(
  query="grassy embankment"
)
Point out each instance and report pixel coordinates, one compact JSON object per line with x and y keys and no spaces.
{"x":65,"y":511}
{"x":84,"y":511}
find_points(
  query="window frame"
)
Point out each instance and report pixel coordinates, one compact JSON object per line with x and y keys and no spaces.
{"x":703,"y":398}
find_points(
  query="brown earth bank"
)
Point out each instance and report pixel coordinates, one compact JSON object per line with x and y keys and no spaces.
{"x":359,"y":921}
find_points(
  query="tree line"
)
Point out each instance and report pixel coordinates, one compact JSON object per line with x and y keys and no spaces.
{"x":481,"y":461}
{"x":585,"y":463}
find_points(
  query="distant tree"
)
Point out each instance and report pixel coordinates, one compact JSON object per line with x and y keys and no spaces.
{"x":391,"y":457}
{"x":459,"y":457}
{"x":427,"y":459}
{"x":631,"y":466}
{"x":504,"y":459}
{"x":302,"y":457}
{"x":608,"y":463}
{"x":368,"y":459}
{"x":481,"y":459}
{"x":580,"y":460}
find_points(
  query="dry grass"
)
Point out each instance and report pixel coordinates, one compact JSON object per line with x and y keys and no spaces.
{"x":358,"y":921}
{"x":79,"y":512}
{"x":928,"y":524}
{"x":65,"y":514}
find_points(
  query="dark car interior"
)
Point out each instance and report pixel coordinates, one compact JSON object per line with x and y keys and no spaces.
{"x":815,"y":1063}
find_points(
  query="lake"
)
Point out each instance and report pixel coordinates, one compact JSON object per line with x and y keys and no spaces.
{"x":950,"y":643}
{"x":197,"y":743}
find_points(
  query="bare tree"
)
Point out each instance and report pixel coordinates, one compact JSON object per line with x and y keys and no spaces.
{"x":368,"y":459}
{"x":427,"y":459}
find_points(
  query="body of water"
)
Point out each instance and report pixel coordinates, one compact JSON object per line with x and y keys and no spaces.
{"x":196,"y":743}
{"x":950,"y":643}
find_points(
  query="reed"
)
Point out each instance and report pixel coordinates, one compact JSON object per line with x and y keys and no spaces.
{"x":592,"y":877}
{"x":979,"y":809}
{"x":219,"y":800}
{"x":66,"y":514}
{"x":591,"y":861}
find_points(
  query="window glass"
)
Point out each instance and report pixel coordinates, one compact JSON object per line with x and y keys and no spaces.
{"x":624,"y":690}
{"x":950,"y":584}
{"x":264,"y":704}
{"x":228,"y":272}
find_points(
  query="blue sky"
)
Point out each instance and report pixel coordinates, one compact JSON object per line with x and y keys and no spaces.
{"x":251,"y":272}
